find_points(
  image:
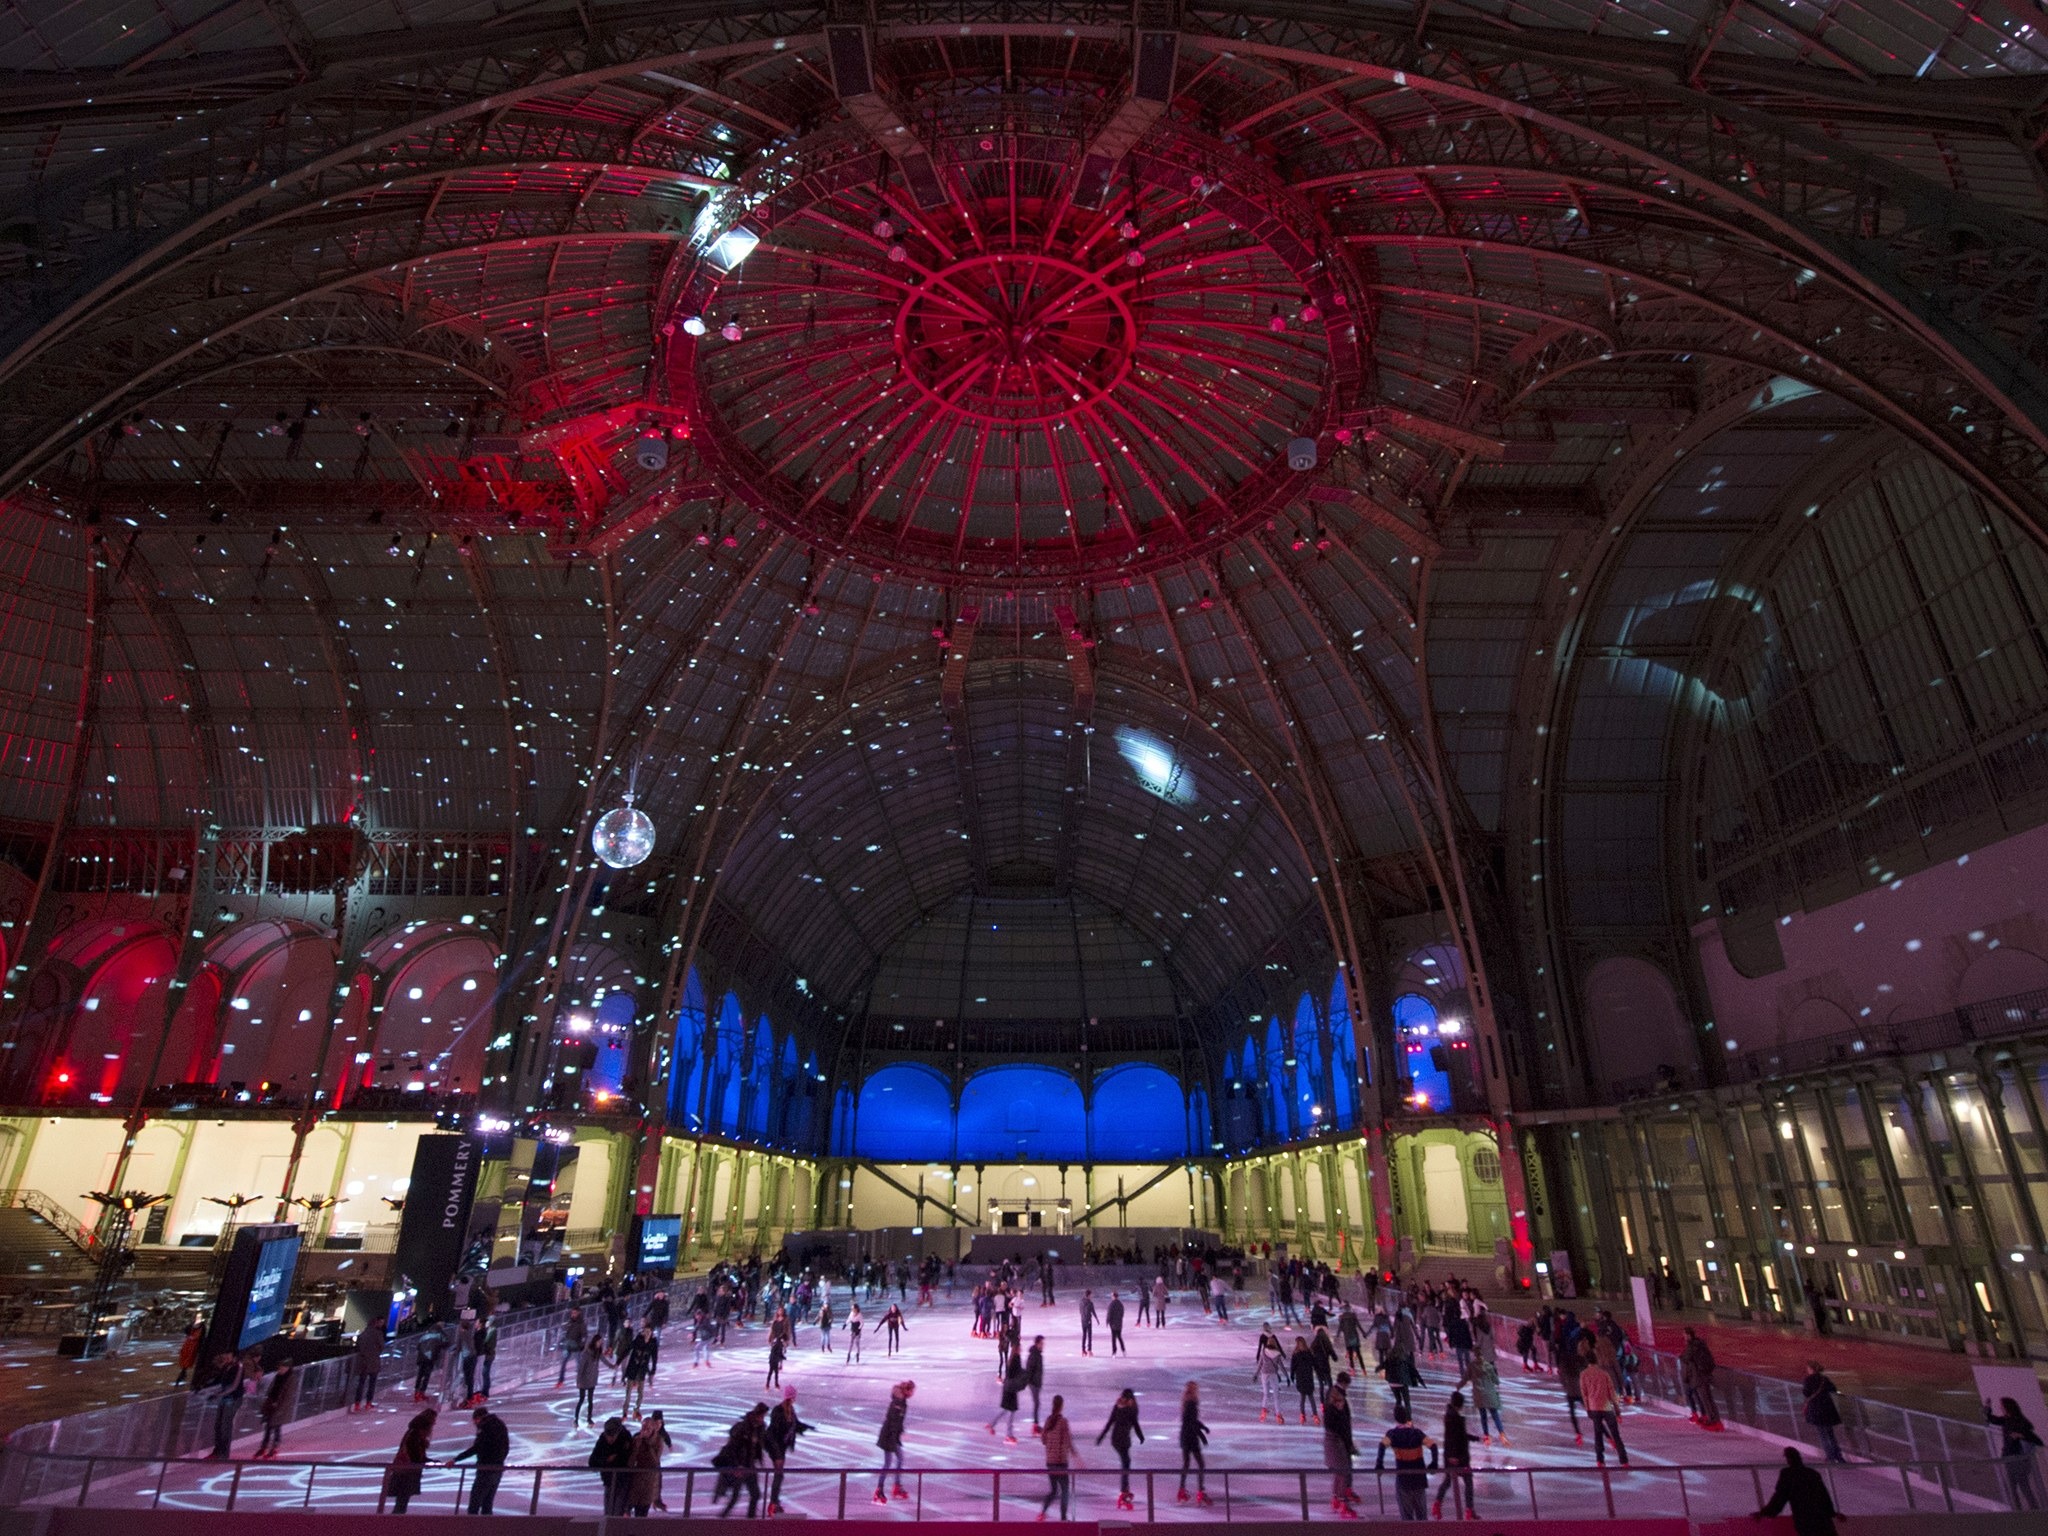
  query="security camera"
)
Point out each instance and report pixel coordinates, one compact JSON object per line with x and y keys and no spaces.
{"x":651,"y":452}
{"x":1301,"y":454}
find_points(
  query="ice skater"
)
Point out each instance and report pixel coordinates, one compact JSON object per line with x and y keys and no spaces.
{"x":1120,"y":1427}
{"x":891,"y":1439}
{"x":1194,"y":1434}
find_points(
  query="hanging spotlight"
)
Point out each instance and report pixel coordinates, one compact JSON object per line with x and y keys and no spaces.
{"x":1134,"y":257}
{"x":623,"y":836}
{"x":899,"y":252}
{"x":732,"y":330}
{"x":1277,"y":322}
{"x":1310,"y":314}
{"x":884,"y":230}
{"x":651,"y":451}
{"x":1128,"y":229}
{"x":693,"y":325}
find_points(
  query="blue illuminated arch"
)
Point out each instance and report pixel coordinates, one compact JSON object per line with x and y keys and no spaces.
{"x":687,"y":1067}
{"x":842,"y":1121}
{"x":1139,"y":1115}
{"x":1201,"y":1135}
{"x":1276,"y":1083}
{"x":905,"y":1115}
{"x":1343,"y":1060}
{"x":1022,"y":1111}
{"x":758,"y":1085}
{"x":727,"y":1057}
{"x":1311,"y":1102}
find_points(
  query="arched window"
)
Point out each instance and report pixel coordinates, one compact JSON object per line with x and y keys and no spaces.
{"x":1343,"y":1060}
{"x":1278,"y":1073}
{"x":686,"y":1073}
{"x":759,"y":1085}
{"x":1311,"y":1090}
{"x":905,"y":1116}
{"x":727,"y":1059}
{"x":1139,"y":1115}
{"x":1022,"y":1111}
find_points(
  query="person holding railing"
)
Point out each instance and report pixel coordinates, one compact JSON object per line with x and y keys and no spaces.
{"x":228,"y":1386}
{"x":2018,"y":1443}
{"x":402,"y":1482}
{"x":1696,"y":1369}
{"x":490,"y":1449}
{"x":1805,"y":1492}
{"x":1820,"y":1410}
{"x":610,"y":1456}
{"x":1411,"y":1477}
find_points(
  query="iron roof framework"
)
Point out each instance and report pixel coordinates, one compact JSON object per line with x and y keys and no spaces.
{"x":327,"y":340}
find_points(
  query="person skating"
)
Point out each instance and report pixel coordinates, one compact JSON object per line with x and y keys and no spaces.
{"x":1034,"y":1376}
{"x":1301,"y":1370}
{"x":894,"y":1325}
{"x":280,"y":1402}
{"x":1696,"y":1367}
{"x":491,"y":1448}
{"x":1603,"y":1406}
{"x":891,"y":1440}
{"x":637,"y":1367}
{"x":784,"y":1428}
{"x":739,"y":1459}
{"x":1353,"y":1335}
{"x":1820,"y":1410}
{"x":575,"y":1331}
{"x":853,"y":1328}
{"x":367,"y":1365}
{"x":1121,"y":1425}
{"x":1194,"y":1434}
{"x":1114,"y":1317}
{"x":402,"y":1482}
{"x":1411,"y":1477}
{"x":1399,"y":1368}
{"x":1268,"y":1364}
{"x":1058,"y":1439}
{"x":1087,"y":1329}
{"x":427,"y":1353}
{"x":1483,"y":1377}
{"x":1457,"y":1459}
{"x":825,"y":1325}
{"x":1013,"y":1387}
{"x":1159,"y":1302}
{"x":778,"y":1351}
{"x":589,"y":1368}
{"x":643,"y":1481}
{"x":1339,"y":1449}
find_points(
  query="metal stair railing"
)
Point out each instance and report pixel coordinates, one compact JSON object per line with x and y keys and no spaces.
{"x":36,"y":1203}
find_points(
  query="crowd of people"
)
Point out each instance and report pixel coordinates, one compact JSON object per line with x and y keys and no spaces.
{"x":1323,"y":1336}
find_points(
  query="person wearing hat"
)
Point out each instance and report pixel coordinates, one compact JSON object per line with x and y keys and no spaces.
{"x":783,"y":1429}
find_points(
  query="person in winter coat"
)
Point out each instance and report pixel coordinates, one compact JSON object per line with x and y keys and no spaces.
{"x":1806,"y":1493}
{"x":427,"y":1354}
{"x":1353,"y":1335}
{"x":779,"y":1441}
{"x":402,"y":1482}
{"x":1087,"y":1346}
{"x":644,"y":1458}
{"x":230,"y":1383}
{"x":574,"y":1332}
{"x":1058,"y":1437}
{"x":737,"y":1459}
{"x":1483,"y":1377}
{"x":589,"y":1368}
{"x":1820,"y":1409}
{"x":825,"y":1325}
{"x":1457,"y":1458}
{"x":1115,"y":1318}
{"x":280,"y":1403}
{"x":1013,"y":1386}
{"x":1194,"y":1434}
{"x":1301,"y":1370}
{"x":778,"y":1351}
{"x":188,"y":1352}
{"x":891,"y":1440}
{"x":637,"y":1366}
{"x":1696,"y":1368}
{"x":368,"y":1361}
{"x":611,"y":1459}
{"x":1268,"y":1362}
{"x":1034,"y":1376}
{"x":491,"y":1448}
{"x":1339,"y":1449}
{"x":1323,"y":1356}
{"x":2018,"y":1443}
{"x":1121,"y":1425}
{"x":1159,"y":1302}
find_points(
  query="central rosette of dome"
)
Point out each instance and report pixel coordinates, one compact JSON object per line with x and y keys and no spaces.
{"x":1008,"y":385}
{"x":1016,"y":338}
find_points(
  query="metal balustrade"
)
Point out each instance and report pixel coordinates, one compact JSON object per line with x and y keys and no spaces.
{"x":956,"y":1493}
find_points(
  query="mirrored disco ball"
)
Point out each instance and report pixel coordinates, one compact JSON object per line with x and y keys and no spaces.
{"x":623,"y":837}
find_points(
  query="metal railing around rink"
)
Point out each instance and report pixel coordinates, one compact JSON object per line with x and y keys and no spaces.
{"x":1232,"y":1493}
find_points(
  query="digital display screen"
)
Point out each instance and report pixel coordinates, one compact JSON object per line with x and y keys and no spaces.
{"x":661,"y":1240}
{"x":269,"y":1289}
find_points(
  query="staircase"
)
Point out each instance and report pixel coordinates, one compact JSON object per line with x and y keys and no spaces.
{"x":32,"y":1247}
{"x":1475,"y":1269}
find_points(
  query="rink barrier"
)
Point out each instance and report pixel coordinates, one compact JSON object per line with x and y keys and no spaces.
{"x":179,"y":1424}
{"x":1553,"y":1495}
{"x":1876,"y":1430}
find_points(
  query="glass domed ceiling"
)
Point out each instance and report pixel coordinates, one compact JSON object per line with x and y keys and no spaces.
{"x":1010,"y":385}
